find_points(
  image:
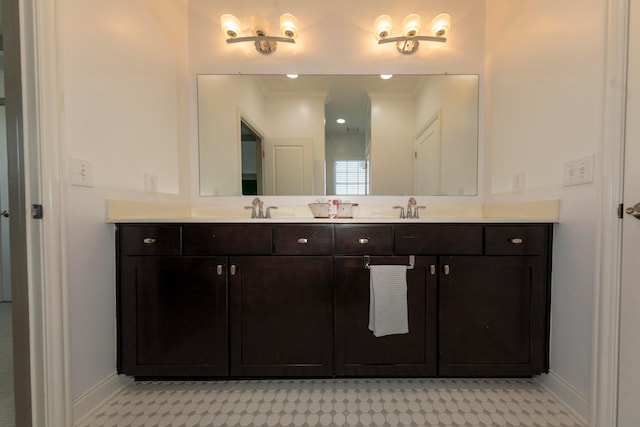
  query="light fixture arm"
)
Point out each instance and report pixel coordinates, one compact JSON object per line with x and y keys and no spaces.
{"x":417,"y":38}
{"x":261,"y":38}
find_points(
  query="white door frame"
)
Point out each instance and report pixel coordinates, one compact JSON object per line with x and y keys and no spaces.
{"x":46,"y":243}
{"x":606,"y":326}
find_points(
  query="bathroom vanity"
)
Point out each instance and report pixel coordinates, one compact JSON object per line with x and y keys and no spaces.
{"x":291,"y":299}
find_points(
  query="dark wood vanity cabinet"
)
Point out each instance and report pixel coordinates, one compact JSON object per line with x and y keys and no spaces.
{"x":278,"y":300}
{"x":172,"y":310}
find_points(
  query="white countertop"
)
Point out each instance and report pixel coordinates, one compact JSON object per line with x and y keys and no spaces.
{"x":122,"y":211}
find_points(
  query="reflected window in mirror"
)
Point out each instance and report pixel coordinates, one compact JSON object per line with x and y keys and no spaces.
{"x":351,"y":178}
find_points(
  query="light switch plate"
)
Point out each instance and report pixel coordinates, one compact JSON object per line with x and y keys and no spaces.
{"x":578,"y":171}
{"x":80,"y":172}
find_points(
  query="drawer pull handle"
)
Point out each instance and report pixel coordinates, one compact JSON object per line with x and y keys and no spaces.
{"x":149,"y":240}
{"x":219,"y":269}
{"x":363,"y":241}
{"x":303,"y":240}
{"x":516,"y":240}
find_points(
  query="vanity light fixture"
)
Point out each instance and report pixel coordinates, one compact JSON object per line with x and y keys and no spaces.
{"x":410,"y":40}
{"x":292,"y":76}
{"x":386,"y":76}
{"x":263,"y":42}
{"x":341,"y":121}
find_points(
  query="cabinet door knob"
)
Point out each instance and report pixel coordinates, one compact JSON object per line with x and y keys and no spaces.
{"x":363,"y":241}
{"x":432,"y":269}
{"x":516,"y":240}
{"x":447,"y":270}
{"x":149,"y":240}
{"x":219,"y":269}
{"x":232,"y":270}
{"x":303,"y":240}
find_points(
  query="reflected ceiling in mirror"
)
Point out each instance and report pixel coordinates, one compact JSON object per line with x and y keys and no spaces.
{"x":412,"y":134}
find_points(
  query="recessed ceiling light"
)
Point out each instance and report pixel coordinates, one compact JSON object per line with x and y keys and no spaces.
{"x":292,"y":76}
{"x":341,"y":121}
{"x":386,"y":76}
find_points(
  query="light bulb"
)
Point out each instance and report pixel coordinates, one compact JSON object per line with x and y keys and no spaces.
{"x":289,"y":26}
{"x":386,"y":76}
{"x":441,"y":25}
{"x":382,"y":27}
{"x":230,"y":26}
{"x":259,"y":26}
{"x":292,"y":76}
{"x":411,"y":25}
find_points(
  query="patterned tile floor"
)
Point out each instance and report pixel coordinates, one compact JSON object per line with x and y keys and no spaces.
{"x":333,"y":402}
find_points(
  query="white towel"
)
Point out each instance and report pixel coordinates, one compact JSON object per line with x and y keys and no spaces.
{"x":388,"y":300}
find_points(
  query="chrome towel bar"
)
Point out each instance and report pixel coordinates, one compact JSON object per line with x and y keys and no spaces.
{"x":412,"y":262}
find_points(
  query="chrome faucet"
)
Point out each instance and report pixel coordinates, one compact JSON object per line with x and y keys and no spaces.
{"x":257,"y":202}
{"x":412,"y":204}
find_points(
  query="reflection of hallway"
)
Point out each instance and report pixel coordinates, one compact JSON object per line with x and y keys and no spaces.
{"x":7,"y":418}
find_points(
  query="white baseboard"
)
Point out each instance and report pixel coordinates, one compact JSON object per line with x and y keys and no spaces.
{"x":572,"y":399}
{"x":98,"y":394}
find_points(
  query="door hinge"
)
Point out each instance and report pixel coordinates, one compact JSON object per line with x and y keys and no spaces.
{"x":620,"y":210}
{"x":36,"y":211}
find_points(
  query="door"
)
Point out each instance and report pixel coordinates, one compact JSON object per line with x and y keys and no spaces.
{"x":5,"y":260}
{"x":629,"y":368}
{"x":426,"y":163}
{"x":358,"y":351}
{"x":173,"y":316}
{"x":281,"y":316}
{"x":288,"y":166}
{"x":491,"y":315}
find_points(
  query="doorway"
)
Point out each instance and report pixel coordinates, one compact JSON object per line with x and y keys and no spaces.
{"x":18,"y":394}
{"x":251,"y":152}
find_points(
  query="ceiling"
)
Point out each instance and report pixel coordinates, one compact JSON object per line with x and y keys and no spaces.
{"x":346,"y":95}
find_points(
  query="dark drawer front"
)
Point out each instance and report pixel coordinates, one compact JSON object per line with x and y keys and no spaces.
{"x":515,"y":239}
{"x":438,"y":239}
{"x":149,"y":239}
{"x":227,"y":239}
{"x":302,"y":239}
{"x":363,"y":239}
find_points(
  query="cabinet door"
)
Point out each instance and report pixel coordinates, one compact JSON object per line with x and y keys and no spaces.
{"x":492,"y":316}
{"x":358,"y":351}
{"x":281,"y":316}
{"x":173,"y":316}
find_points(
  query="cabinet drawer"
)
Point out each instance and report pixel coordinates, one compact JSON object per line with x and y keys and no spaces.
{"x":515,"y":239}
{"x":227,"y":239}
{"x":302,"y":239}
{"x":149,"y":239}
{"x":363,"y":239}
{"x":438,"y":239}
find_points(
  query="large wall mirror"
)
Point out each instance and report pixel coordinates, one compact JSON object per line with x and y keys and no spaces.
{"x":338,"y":135}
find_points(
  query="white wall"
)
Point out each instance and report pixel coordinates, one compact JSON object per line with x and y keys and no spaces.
{"x":300,"y":115}
{"x":392,"y":135}
{"x":222,"y":101}
{"x":124,"y":82}
{"x":545,"y":75}
{"x":456,"y":96}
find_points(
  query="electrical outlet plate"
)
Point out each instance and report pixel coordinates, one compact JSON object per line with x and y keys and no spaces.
{"x":81,"y":172}
{"x":578,"y":171}
{"x":150,"y":182}
{"x":518,"y":182}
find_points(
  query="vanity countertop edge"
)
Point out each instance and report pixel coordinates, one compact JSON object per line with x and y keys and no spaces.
{"x":123,"y":211}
